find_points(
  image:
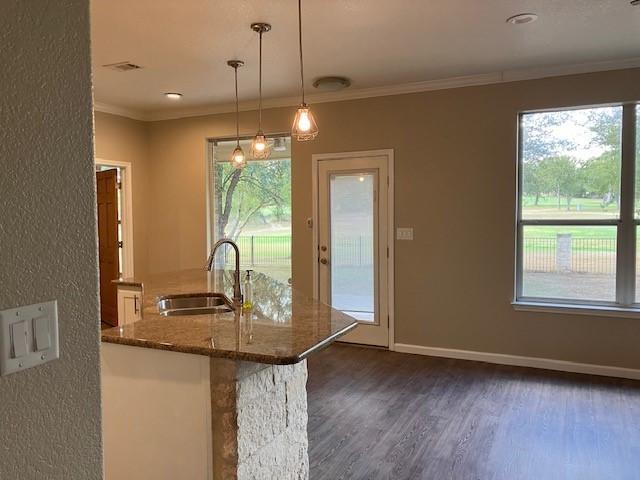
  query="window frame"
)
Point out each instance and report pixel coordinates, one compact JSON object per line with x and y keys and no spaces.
{"x":211,"y":177}
{"x":627,"y":225}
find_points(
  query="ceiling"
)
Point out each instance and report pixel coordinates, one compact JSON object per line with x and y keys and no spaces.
{"x":183,"y":45}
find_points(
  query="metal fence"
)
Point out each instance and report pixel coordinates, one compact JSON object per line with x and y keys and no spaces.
{"x":272,"y":250}
{"x":352,"y":251}
{"x":569,"y":254}
{"x":262,"y":250}
{"x":563,"y":253}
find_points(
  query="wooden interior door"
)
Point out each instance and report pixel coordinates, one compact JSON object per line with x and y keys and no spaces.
{"x":107,"y":182}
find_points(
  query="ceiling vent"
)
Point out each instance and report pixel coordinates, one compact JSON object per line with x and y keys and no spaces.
{"x":122,"y":66}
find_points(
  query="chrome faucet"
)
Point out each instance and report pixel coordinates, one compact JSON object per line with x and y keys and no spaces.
{"x":237,"y":293}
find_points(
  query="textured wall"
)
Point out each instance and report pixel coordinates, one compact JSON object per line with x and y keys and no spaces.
{"x":49,"y":415}
{"x":455,"y":164}
{"x":259,"y":417}
{"x":125,"y":140}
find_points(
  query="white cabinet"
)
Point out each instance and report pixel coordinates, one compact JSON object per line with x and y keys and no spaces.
{"x":129,"y":304}
{"x":156,"y":414}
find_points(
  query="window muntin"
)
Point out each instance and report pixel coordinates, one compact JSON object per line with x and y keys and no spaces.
{"x":637,"y":185}
{"x":637,"y":264}
{"x":575,"y":210}
{"x":637,"y":203}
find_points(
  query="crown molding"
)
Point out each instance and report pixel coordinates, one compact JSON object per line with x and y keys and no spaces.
{"x":371,"y":92}
{"x":120,"y":111}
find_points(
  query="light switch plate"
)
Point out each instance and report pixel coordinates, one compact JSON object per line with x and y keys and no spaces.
{"x":405,"y":233}
{"x":38,"y":325}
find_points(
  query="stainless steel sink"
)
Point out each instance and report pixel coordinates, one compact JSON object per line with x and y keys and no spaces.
{"x":194,"y":304}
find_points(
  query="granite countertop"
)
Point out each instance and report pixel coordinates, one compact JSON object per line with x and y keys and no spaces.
{"x":284,"y":327}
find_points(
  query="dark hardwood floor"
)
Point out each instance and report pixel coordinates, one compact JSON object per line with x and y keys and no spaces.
{"x":383,"y":415}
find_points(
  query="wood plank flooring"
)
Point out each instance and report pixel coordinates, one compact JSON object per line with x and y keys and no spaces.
{"x":383,"y":415}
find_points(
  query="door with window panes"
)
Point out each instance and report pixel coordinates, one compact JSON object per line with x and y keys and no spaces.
{"x":353,"y":241}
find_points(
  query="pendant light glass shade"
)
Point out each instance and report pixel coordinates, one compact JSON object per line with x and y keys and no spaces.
{"x":304,"y":124}
{"x":260,"y":148}
{"x":238,"y":159}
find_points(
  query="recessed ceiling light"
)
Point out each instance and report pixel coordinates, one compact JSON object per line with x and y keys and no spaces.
{"x":522,"y":18}
{"x":331,"y":84}
{"x":173,"y":95}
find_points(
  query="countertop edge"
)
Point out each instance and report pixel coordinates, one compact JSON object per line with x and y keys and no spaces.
{"x":326,"y":342}
{"x":228,"y":354}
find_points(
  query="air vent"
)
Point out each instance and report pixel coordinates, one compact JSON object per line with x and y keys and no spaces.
{"x":122,"y":66}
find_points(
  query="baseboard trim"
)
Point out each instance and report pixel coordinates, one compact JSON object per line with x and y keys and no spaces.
{"x":520,"y":361}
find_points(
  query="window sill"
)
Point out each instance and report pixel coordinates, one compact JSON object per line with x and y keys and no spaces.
{"x":573,"y":309}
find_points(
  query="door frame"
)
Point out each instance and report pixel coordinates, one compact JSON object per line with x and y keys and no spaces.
{"x":126,"y":170}
{"x":316,"y":158}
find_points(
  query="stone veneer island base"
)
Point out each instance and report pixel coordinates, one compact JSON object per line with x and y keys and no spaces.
{"x":219,"y":396}
{"x":259,"y":420}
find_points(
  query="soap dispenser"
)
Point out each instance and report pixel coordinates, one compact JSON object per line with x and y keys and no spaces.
{"x":247,"y":305}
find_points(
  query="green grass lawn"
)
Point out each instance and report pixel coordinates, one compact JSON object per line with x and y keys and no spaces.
{"x":591,"y":239}
{"x":577,"y":205}
{"x":585,"y":239}
{"x":540,"y":231}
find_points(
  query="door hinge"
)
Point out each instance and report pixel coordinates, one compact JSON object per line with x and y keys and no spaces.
{"x":120,"y":244}
{"x":119,"y":185}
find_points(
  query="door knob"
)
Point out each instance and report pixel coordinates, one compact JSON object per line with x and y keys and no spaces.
{"x":324,"y":261}
{"x":323,"y":248}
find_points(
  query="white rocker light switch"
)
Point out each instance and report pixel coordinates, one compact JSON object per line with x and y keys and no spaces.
{"x":41,"y":333}
{"x":28,"y":336}
{"x":19,"y":339}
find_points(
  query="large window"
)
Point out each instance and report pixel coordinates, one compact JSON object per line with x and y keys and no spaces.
{"x":252,"y":206}
{"x":578,"y":207}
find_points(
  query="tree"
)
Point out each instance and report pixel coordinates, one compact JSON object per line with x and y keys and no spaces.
{"x":603,"y":172}
{"x":602,"y":177}
{"x":244,"y":195}
{"x":532,"y":182}
{"x":563,"y":176}
{"x":540,"y":142}
{"x":606,"y":126}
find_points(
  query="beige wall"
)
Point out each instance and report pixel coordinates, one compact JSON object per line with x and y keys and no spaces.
{"x":455,"y":153}
{"x":125,"y":140}
{"x":50,"y":414}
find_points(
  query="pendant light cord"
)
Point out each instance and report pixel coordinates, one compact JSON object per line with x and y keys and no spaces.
{"x":235,"y":69}
{"x":300,"y":44}
{"x":260,"y":87}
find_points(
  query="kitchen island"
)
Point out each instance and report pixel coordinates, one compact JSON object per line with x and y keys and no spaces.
{"x":219,"y":395}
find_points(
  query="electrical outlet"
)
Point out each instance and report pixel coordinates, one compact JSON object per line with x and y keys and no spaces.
{"x":404,"y":233}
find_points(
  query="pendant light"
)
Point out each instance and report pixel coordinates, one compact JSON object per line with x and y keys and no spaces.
{"x":238,"y":159}
{"x":260,"y":148}
{"x":304,"y":125}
